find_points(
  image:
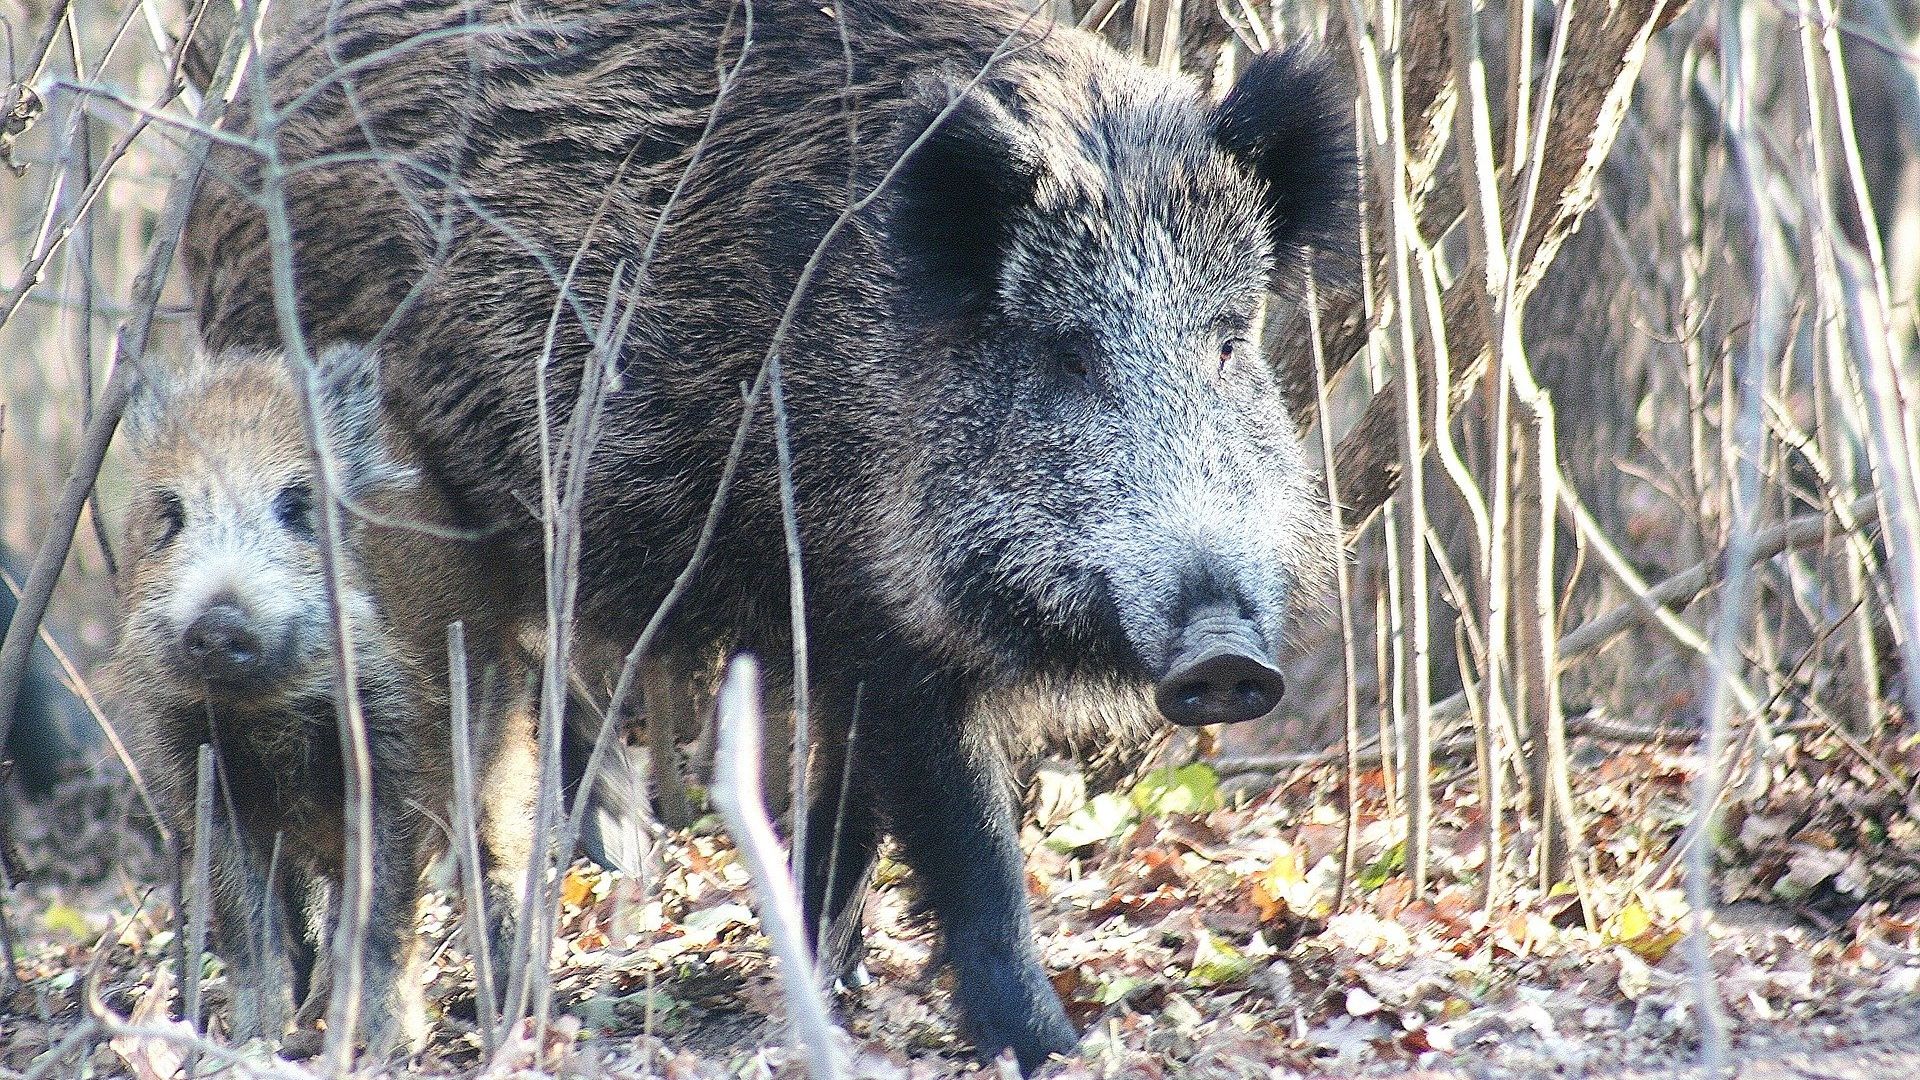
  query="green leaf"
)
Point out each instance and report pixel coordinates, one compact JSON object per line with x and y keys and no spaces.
{"x":1215,"y":961}
{"x":1104,"y":817}
{"x":1189,"y":789}
{"x":65,"y":919}
{"x":1115,"y":989}
{"x":1390,"y":862}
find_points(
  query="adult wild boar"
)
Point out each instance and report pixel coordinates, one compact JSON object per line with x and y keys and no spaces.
{"x":1045,"y":488}
{"x":51,"y":737}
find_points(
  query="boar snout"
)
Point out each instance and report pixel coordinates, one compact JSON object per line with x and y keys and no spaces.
{"x":1219,"y":674}
{"x":222,"y":647}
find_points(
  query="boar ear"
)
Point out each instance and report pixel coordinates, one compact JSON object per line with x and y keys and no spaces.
{"x":348,"y":380}
{"x":955,"y":197}
{"x":1289,"y":121}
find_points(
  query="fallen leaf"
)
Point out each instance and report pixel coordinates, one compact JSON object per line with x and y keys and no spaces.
{"x":63,"y":919}
{"x":1215,"y":961}
{"x":1105,"y":816}
{"x":1630,"y":923}
{"x":577,"y":887}
{"x":1189,"y":789}
{"x":1384,"y":867}
{"x":156,"y":1056}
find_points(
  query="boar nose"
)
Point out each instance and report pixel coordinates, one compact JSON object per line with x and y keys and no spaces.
{"x":1219,"y":675}
{"x":222,"y":646}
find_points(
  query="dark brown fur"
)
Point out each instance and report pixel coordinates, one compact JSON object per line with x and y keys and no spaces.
{"x":477,"y":156}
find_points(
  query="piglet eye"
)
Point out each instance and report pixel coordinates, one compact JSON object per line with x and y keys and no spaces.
{"x":293,"y":508}
{"x":172,"y":516}
{"x":1228,"y":348}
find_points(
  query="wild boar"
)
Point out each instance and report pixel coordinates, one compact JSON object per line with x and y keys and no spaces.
{"x":1006,"y":284}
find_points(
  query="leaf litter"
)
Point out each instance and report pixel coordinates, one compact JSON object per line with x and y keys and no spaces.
{"x":1188,"y":936}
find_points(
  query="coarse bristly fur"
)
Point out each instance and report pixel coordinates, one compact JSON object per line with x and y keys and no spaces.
{"x":221,"y":526}
{"x":1031,"y":436}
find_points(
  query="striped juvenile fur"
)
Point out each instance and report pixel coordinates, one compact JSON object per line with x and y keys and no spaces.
{"x":227,"y":641}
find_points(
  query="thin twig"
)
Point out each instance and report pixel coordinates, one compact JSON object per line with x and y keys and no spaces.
{"x":737,"y":794}
{"x":1679,"y":589}
{"x":466,"y":841}
{"x":130,"y":347}
{"x":201,"y":900}
{"x":353,"y":905}
{"x":77,"y":684}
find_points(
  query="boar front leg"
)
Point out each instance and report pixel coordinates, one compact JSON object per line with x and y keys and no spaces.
{"x":509,"y":802}
{"x":842,"y":839}
{"x":251,"y":929}
{"x":394,"y":1001}
{"x":949,"y":804}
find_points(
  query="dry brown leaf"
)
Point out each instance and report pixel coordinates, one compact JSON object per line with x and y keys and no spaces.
{"x":154,"y":1057}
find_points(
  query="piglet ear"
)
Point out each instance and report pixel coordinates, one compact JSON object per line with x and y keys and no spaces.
{"x":1289,"y":122}
{"x":156,"y":385}
{"x":956,"y":196}
{"x":347,"y":378}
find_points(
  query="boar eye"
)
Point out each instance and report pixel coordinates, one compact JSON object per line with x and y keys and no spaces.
{"x":172,"y":516}
{"x":1074,"y":356}
{"x":1230,"y":348}
{"x":293,"y":508}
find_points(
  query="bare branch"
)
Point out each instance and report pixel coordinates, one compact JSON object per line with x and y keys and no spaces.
{"x":737,"y":793}
{"x":1585,"y":118}
{"x":130,"y":349}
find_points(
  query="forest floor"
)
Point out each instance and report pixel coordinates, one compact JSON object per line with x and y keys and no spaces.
{"x":1194,"y":925}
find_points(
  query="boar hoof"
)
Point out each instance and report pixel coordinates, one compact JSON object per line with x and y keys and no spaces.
{"x":1025,"y":1019}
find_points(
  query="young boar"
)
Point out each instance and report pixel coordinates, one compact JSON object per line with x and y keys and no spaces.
{"x":227,"y":641}
{"x":1046,"y":489}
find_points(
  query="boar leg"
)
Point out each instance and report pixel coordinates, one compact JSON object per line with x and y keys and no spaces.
{"x":296,"y":889}
{"x":508,"y":803}
{"x":842,"y":839}
{"x":394,"y":1001}
{"x":951,"y":808}
{"x":251,"y":927}
{"x":667,"y":686}
{"x":310,"y":908}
